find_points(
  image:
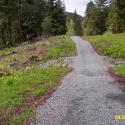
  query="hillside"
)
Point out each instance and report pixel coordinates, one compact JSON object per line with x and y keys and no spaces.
{"x":71,"y":15}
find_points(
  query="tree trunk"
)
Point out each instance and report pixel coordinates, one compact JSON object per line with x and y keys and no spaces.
{"x":21,"y":36}
{"x":3,"y":38}
{"x":9,"y":31}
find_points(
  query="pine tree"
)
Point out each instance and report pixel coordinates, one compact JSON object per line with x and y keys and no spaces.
{"x":70,"y":27}
{"x":59,"y":22}
{"x":113,"y":22}
{"x":47,"y":26}
{"x":56,"y":10}
{"x":22,"y":19}
{"x":77,"y":25}
{"x":7,"y":22}
{"x":89,"y":23}
{"x":121,"y":7}
{"x":95,"y":19}
{"x":101,"y":12}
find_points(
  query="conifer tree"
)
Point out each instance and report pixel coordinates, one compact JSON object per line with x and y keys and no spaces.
{"x":121,"y":7}
{"x":95,"y":18}
{"x":59,"y":18}
{"x":89,"y":22}
{"x":77,"y":25}
{"x":22,"y":19}
{"x":101,"y":15}
{"x":70,"y":26}
{"x":113,"y":22}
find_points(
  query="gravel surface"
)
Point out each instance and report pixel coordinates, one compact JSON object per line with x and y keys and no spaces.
{"x":63,"y":61}
{"x":114,"y":62}
{"x":87,"y":96}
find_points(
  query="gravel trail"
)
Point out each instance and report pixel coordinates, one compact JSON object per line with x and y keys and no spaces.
{"x":87,"y":96}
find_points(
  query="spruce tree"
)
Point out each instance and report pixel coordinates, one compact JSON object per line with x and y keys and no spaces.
{"x":89,"y":22}
{"x":121,"y":7}
{"x":56,"y":11}
{"x":113,"y":22}
{"x":101,"y":12}
{"x":70,"y":27}
{"x":47,"y":26}
{"x":77,"y":25}
{"x":59,"y":18}
{"x":95,"y":18}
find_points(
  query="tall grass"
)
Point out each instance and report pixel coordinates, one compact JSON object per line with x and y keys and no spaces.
{"x":112,"y":45}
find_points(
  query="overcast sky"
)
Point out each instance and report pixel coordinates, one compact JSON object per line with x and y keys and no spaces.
{"x":79,"y":5}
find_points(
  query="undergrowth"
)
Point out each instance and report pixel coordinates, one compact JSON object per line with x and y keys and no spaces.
{"x":22,"y":80}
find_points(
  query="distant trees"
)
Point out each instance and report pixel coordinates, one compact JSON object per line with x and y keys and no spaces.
{"x":116,"y":17}
{"x":113,"y":20}
{"x":104,"y":15}
{"x":90,"y":19}
{"x":22,"y":19}
{"x":102,"y":12}
{"x":121,"y":8}
{"x":96,"y":14}
{"x":77,"y":25}
{"x":70,"y":26}
{"x":74,"y":24}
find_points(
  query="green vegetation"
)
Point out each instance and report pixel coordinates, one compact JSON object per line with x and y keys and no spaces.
{"x":30,"y":54}
{"x":109,"y":44}
{"x":95,"y":19}
{"x":107,"y":17}
{"x":27,"y":19}
{"x":60,"y":50}
{"x":112,"y":45}
{"x":74,"y":24}
{"x":104,"y":15}
{"x":120,"y":70}
{"x":26,"y":114}
{"x":32,"y":82}
{"x":70,"y":27}
{"x":22,"y":80}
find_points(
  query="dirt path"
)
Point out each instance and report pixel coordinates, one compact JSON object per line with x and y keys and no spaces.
{"x":87,"y":96}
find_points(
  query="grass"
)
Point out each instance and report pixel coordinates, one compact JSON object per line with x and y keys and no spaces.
{"x":61,"y":50}
{"x":111,"y":45}
{"x":120,"y":70}
{"x":28,"y":54}
{"x":21,"y":80}
{"x":34,"y":82}
{"x":6,"y":51}
{"x":27,"y":114}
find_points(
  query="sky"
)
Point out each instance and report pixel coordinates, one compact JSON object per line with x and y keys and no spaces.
{"x":79,"y":5}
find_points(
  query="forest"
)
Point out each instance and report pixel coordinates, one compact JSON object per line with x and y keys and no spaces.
{"x":104,"y":15}
{"x":23,"y":20}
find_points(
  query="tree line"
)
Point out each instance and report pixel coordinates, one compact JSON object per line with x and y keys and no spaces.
{"x":21,"y":20}
{"x":74,"y":24}
{"x":104,"y":15}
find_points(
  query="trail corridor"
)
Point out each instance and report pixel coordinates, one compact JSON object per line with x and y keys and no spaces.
{"x":87,"y":96}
